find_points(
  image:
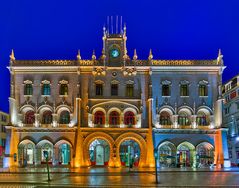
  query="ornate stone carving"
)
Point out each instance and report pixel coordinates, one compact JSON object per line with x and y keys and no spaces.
{"x":99,"y":71}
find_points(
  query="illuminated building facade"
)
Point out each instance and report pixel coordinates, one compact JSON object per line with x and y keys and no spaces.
{"x":231,"y":117}
{"x":4,"y":120}
{"x":188,"y":113}
{"x":107,"y":110}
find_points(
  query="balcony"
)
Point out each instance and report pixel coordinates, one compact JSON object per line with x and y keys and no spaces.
{"x":114,"y":126}
{"x":202,"y":127}
{"x":47,"y":126}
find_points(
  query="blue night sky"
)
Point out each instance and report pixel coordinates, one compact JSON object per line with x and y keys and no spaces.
{"x":174,"y":29}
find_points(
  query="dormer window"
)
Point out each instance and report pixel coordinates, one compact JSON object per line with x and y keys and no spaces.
{"x":46,"y":88}
{"x":28,"y":89}
{"x":63,"y":88}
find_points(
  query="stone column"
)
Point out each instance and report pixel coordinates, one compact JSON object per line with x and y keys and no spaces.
{"x":78,"y":147}
{"x":194,"y":123}
{"x":150,"y":162}
{"x":175,"y":121}
{"x":12,"y":141}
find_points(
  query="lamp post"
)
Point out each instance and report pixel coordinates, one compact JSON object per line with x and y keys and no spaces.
{"x":47,"y":165}
{"x":156,"y":170}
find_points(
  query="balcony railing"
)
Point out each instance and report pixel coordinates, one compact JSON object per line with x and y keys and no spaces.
{"x":113,"y":126}
{"x":183,"y":127}
{"x":47,"y":125}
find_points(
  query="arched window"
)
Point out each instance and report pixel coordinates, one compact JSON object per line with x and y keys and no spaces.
{"x":202,"y":119}
{"x":64,"y":117}
{"x":183,"y":119}
{"x":114,"y":118}
{"x":165,"y":118}
{"x":99,"y":118}
{"x":47,"y":117}
{"x":129,"y":118}
{"x":64,"y":89}
{"x":30,"y":117}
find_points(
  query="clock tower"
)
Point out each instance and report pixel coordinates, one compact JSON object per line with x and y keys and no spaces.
{"x":114,"y":44}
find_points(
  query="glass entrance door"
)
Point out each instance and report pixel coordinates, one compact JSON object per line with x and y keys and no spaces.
{"x":99,"y":155}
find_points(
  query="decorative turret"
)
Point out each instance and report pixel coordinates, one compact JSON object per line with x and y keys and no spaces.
{"x":219,"y":58}
{"x":93,"y":55}
{"x":124,"y":33}
{"x":12,"y":57}
{"x":135,"y":57}
{"x":78,"y":55}
{"x":150,"y":55}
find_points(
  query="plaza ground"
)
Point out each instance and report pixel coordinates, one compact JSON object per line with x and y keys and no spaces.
{"x":115,"y":177}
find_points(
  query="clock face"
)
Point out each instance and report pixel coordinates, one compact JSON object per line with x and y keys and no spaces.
{"x":114,"y":53}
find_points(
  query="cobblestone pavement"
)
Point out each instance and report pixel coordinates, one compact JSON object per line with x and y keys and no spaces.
{"x":126,"y":179}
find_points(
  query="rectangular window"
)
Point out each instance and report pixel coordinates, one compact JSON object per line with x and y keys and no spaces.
{"x":202,"y":90}
{"x":165,"y":90}
{"x":64,"y":89}
{"x":129,"y":90}
{"x":233,"y":94}
{"x":3,"y":142}
{"x":99,"y":89}
{"x":184,"y":90}
{"x":28,"y":89}
{"x":46,"y":89}
{"x":114,"y":89}
{"x":227,"y":110}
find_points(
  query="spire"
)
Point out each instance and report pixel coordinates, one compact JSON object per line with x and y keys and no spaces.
{"x":12,"y":57}
{"x":124,"y":29}
{"x":78,"y":55}
{"x":135,"y":57}
{"x":93,"y":55}
{"x":150,"y":55}
{"x":219,"y":58}
{"x":104,"y":31}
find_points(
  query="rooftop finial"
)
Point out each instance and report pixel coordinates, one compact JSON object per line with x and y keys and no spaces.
{"x":150,"y":55}
{"x":12,"y":57}
{"x":108,"y":24}
{"x":124,"y":28}
{"x":104,"y":30}
{"x":116,"y":25}
{"x":93,"y":55}
{"x":219,"y":57}
{"x":78,"y":55}
{"x":121,"y":31}
{"x":112,"y":30}
{"x":135,"y":55}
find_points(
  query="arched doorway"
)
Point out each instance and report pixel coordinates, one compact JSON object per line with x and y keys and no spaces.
{"x":43,"y":147}
{"x":99,"y":152}
{"x":64,"y":154}
{"x":26,"y":150}
{"x":205,"y":154}
{"x":129,"y":153}
{"x":167,"y":154}
{"x":185,"y":154}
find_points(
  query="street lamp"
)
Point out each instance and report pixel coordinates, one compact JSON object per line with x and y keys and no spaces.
{"x":237,"y":138}
{"x":156,"y":170}
{"x":45,"y":153}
